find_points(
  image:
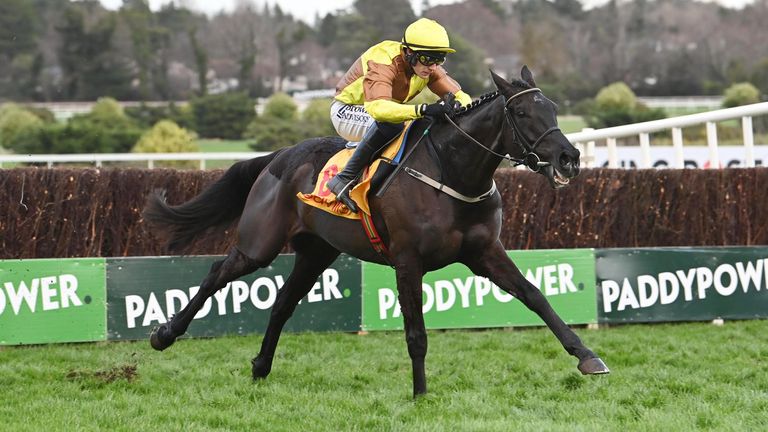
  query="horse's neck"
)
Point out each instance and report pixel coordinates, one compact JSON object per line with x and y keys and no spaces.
{"x":466,"y":166}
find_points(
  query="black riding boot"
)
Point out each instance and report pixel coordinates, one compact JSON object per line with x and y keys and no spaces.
{"x":375,"y":139}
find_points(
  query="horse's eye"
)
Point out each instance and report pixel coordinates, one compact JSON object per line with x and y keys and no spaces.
{"x":520,"y":113}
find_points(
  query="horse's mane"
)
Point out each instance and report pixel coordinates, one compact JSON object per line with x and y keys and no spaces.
{"x":487,"y":97}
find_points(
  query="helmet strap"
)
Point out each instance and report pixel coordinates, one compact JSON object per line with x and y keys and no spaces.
{"x":410,"y":57}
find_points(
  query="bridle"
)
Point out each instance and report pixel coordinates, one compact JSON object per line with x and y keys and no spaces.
{"x":530,"y":159}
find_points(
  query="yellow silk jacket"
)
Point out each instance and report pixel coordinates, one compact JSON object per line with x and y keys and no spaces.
{"x":382,"y":81}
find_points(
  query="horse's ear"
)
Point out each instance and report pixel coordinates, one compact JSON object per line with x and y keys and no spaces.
{"x":527,"y":76}
{"x":500,"y":82}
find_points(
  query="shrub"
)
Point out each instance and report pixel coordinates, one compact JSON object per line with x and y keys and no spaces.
{"x":167,"y":137}
{"x":222,"y":116}
{"x":281,"y":106}
{"x":617,"y":96}
{"x":317,"y":118}
{"x":741,"y":94}
{"x":106,"y":114}
{"x":617,"y":105}
{"x":272,"y":133}
{"x":16,"y":124}
{"x":147,"y":116}
{"x":76,"y":138}
{"x":281,"y":126}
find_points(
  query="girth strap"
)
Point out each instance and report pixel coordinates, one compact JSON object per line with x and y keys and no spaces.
{"x":442,"y":187}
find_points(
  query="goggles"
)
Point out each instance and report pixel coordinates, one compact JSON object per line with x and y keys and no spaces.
{"x":429,"y":58}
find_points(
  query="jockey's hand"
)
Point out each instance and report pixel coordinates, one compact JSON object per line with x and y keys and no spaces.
{"x":450,"y":99}
{"x":437,"y":109}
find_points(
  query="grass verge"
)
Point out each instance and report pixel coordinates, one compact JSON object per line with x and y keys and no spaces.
{"x":664,"y":377}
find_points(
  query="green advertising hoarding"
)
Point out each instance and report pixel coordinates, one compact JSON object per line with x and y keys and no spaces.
{"x":682,"y":284}
{"x":52,"y":300}
{"x":455,"y":298}
{"x":144,"y":292}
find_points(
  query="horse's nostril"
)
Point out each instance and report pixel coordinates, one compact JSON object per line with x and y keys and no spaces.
{"x":565,"y":161}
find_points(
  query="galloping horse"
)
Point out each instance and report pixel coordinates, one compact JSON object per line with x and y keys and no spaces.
{"x":423,"y":227}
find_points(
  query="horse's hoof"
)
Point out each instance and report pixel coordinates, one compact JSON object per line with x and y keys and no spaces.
{"x":260,"y":367}
{"x":160,"y":339}
{"x":593,"y":366}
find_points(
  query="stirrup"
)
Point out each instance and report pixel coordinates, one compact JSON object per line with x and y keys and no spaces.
{"x":343,"y":195}
{"x":345,"y":199}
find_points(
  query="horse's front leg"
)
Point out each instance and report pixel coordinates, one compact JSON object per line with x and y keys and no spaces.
{"x":409,"y":276}
{"x":494,"y":264}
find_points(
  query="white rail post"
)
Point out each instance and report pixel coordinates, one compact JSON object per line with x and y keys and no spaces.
{"x":150,"y":163}
{"x":645,"y":150}
{"x":588,"y":150}
{"x":677,"y":146}
{"x":749,"y":141}
{"x":613,"y":156}
{"x":714,"y":157}
{"x":583,"y":154}
{"x":202,"y":164}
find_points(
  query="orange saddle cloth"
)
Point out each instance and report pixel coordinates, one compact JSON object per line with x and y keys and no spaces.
{"x":322,"y":197}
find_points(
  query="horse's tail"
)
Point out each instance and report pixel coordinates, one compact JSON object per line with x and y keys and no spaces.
{"x":215,"y":207}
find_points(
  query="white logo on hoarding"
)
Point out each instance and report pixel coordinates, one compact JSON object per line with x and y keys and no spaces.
{"x":665,"y":287}
{"x":551,"y":279}
{"x":261,"y":294}
{"x":50,"y":292}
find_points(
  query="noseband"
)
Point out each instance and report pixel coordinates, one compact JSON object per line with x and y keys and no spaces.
{"x":530,"y":159}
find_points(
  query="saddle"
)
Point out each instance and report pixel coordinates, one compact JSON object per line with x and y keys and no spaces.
{"x":322,"y":197}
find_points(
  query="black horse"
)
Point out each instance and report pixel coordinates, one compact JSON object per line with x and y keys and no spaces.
{"x":423,"y":227}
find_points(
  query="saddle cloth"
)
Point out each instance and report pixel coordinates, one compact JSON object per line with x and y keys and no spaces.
{"x":322,"y":197}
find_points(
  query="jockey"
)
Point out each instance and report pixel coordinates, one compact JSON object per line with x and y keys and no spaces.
{"x":370,"y":98}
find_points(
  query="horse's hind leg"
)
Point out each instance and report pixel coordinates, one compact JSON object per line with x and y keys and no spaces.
{"x":496,"y":265}
{"x":236,"y":264}
{"x":313,"y":255}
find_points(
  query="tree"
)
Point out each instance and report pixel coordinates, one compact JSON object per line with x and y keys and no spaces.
{"x":223,"y":115}
{"x":467,"y":66}
{"x":150,"y":46}
{"x":201,"y":61}
{"x":387,"y":20}
{"x":20,"y":63}
{"x":90,"y":66}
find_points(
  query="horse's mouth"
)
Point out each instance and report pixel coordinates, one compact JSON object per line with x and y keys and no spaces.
{"x":556,"y":179}
{"x":560,"y":180}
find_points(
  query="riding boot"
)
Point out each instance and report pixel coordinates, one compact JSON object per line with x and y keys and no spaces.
{"x":375,"y":139}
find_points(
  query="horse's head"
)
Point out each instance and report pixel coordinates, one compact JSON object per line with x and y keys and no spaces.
{"x":536,"y":139}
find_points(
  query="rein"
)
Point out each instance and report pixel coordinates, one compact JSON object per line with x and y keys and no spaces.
{"x":530,"y":159}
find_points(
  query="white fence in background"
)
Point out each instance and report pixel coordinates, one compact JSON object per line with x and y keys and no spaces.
{"x":686,"y":102}
{"x":586,"y":140}
{"x":644,"y":156}
{"x":98,"y":159}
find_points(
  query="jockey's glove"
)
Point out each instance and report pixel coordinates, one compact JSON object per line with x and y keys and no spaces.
{"x":437,"y":109}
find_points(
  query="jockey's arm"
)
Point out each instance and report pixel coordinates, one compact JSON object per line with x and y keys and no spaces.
{"x":441,"y":83}
{"x":379,"y":103}
{"x":389,"y":111}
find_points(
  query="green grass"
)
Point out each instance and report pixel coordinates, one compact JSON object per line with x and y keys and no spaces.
{"x":665,"y":377}
{"x":571,"y":123}
{"x":223,"y":146}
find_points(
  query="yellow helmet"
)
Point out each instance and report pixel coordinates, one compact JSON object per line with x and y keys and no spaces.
{"x":427,"y":35}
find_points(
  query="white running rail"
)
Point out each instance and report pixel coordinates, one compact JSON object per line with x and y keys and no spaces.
{"x":586,"y":139}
